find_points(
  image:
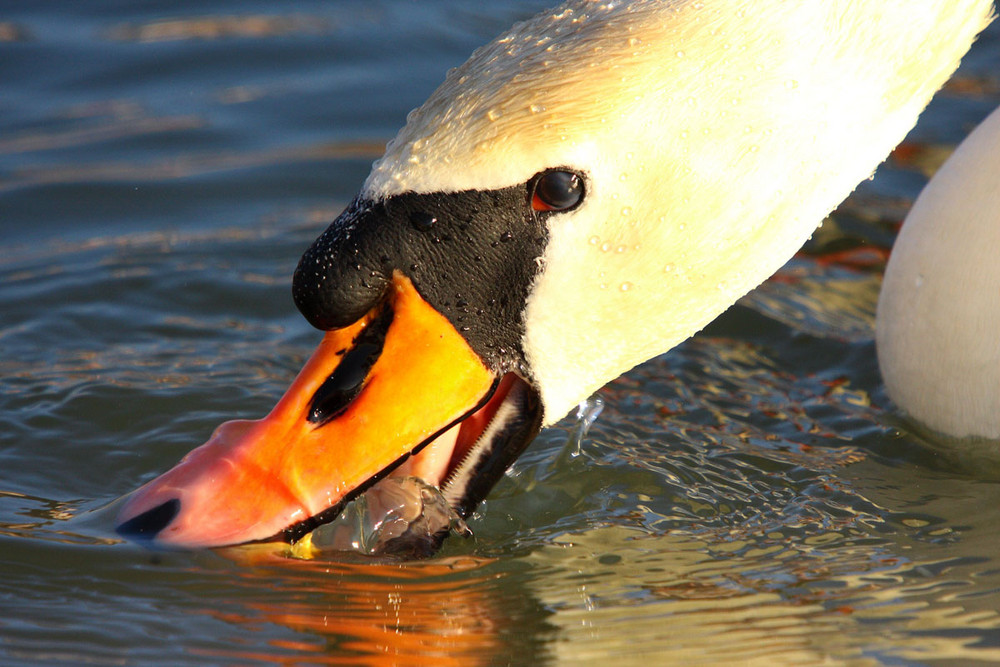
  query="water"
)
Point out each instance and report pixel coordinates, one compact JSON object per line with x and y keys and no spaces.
{"x":749,"y":496}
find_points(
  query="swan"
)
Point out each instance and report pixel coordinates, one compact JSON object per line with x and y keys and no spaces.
{"x":588,"y":190}
{"x":938,"y":314}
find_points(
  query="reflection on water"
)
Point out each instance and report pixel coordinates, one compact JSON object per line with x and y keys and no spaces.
{"x":219,"y":27}
{"x":749,"y":497}
{"x":799,"y":603}
{"x":450,"y":612}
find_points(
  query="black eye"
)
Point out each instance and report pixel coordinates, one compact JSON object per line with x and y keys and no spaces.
{"x":556,"y":191}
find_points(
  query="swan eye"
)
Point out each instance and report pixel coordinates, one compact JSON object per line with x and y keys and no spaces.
{"x":556,"y":191}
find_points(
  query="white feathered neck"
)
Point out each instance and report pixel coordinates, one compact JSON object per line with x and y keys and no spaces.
{"x":714,"y":137}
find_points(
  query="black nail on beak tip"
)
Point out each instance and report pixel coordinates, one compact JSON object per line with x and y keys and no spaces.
{"x":148,"y":525}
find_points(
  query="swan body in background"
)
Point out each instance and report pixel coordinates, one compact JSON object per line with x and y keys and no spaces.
{"x":938,"y":321}
{"x":584,"y":193}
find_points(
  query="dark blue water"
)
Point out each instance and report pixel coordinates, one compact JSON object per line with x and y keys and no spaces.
{"x":750,"y":496}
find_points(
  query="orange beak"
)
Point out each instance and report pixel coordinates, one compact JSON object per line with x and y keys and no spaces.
{"x":399,"y":385}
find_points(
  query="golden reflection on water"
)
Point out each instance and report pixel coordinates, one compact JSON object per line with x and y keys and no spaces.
{"x":443,"y":612}
{"x":669,"y":598}
{"x":220,"y":27}
{"x":620,"y":591}
{"x":12,"y":32}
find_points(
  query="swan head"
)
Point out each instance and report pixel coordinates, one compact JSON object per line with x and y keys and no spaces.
{"x":587,"y":191}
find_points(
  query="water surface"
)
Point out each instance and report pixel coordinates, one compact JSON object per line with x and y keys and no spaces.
{"x":751,"y":495}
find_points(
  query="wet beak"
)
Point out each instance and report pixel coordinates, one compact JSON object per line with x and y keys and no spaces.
{"x":399,"y":388}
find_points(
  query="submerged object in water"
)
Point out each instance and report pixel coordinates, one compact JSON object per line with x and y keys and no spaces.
{"x":400,"y":517}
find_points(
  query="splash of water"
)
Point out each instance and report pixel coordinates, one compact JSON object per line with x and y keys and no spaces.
{"x":586,"y":414}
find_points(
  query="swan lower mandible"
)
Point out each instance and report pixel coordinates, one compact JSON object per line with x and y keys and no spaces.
{"x":588,"y":190}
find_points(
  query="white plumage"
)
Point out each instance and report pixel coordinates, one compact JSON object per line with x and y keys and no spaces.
{"x":938,"y":322}
{"x":714,"y":136}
